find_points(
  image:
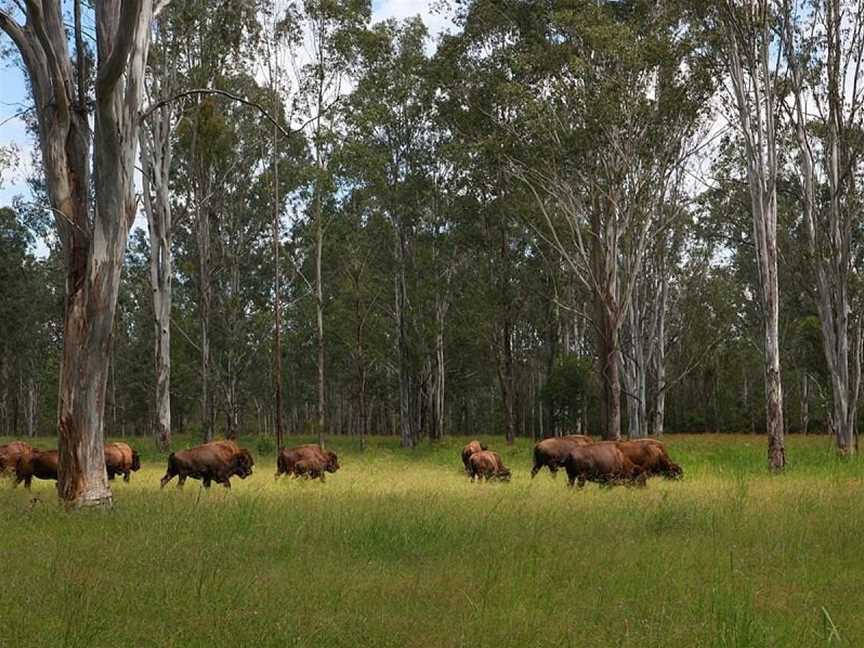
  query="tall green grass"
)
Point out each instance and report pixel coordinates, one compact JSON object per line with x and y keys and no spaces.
{"x":400,"y":549}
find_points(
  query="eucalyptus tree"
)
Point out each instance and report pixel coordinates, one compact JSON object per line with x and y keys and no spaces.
{"x":749,"y":46}
{"x":823,"y":47}
{"x":390,"y":113}
{"x":607,"y":99}
{"x":211,"y":46}
{"x":155,"y":151}
{"x":93,"y":226}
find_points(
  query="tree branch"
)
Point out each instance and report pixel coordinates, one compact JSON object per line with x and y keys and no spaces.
{"x":111,"y":71}
{"x":229,"y":95}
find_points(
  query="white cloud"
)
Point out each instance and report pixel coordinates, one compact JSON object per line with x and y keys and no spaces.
{"x":436,"y":21}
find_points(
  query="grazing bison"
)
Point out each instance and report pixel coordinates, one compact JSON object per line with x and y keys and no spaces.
{"x":308,"y":460}
{"x":652,"y":456}
{"x":11,"y":453}
{"x":470,"y":449}
{"x":121,"y":459}
{"x":41,"y":464}
{"x":553,"y":452}
{"x":217,"y":461}
{"x":603,"y":463}
{"x":487,"y":465}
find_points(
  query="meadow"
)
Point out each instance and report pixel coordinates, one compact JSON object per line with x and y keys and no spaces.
{"x":400,"y":549}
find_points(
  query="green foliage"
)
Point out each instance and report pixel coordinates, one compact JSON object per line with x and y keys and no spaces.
{"x":569,"y":389}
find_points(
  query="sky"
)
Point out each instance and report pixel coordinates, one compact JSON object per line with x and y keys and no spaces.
{"x":14,"y":96}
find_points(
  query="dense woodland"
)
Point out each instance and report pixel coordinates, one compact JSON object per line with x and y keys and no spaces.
{"x":559,"y":217}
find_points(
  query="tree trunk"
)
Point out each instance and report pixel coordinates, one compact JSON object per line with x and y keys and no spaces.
{"x":755,"y":102}
{"x":506,"y":380}
{"x":406,"y":409}
{"x":204,"y":300}
{"x":277,"y":297}
{"x":94,"y":247}
{"x":319,"y":311}
{"x":156,"y":166}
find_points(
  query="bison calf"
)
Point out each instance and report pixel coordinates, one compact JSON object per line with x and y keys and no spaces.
{"x":653,"y":457}
{"x":487,"y":465}
{"x":309,"y":460}
{"x":471,"y":448}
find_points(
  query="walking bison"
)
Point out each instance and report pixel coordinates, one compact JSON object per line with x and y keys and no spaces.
{"x":121,"y":459}
{"x":217,"y":461}
{"x":309,"y":460}
{"x":41,"y":464}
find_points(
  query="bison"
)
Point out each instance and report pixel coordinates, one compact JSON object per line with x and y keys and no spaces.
{"x":652,"y":456}
{"x":309,"y":460}
{"x":487,"y":465}
{"x":217,"y":461}
{"x":11,"y":453}
{"x":552,"y":452}
{"x":41,"y":464}
{"x":470,"y":449}
{"x":603,"y":463}
{"x":121,"y":459}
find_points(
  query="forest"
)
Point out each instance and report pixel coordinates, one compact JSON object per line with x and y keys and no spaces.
{"x":373,"y":273}
{"x":624,"y":218}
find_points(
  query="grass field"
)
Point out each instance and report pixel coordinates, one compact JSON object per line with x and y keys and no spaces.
{"x":400,"y":549}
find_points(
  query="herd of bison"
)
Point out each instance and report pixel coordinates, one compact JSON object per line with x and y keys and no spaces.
{"x":605,"y":462}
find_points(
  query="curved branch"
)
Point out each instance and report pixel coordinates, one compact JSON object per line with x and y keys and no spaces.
{"x":286,"y":132}
{"x":111,"y":71}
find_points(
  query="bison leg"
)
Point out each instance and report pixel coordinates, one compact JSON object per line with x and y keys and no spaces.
{"x":206,"y":482}
{"x":126,"y":476}
{"x":181,"y":481}
{"x":535,"y":469}
{"x":169,"y":475}
{"x":110,"y":475}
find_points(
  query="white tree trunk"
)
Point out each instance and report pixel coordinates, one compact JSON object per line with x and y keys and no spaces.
{"x":156,"y":167}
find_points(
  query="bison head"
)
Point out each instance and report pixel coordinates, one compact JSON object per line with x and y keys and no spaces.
{"x":136,"y":461}
{"x":332,"y":462}
{"x":503,"y":474}
{"x":243,"y":463}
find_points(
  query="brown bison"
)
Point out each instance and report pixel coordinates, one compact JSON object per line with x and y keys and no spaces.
{"x":308,"y":460}
{"x":470,"y":449}
{"x":552,"y":452}
{"x":121,"y":459}
{"x":11,"y":453}
{"x":603,"y":463}
{"x":487,"y":465}
{"x":41,"y":464}
{"x":216,"y":461}
{"x":652,"y":456}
